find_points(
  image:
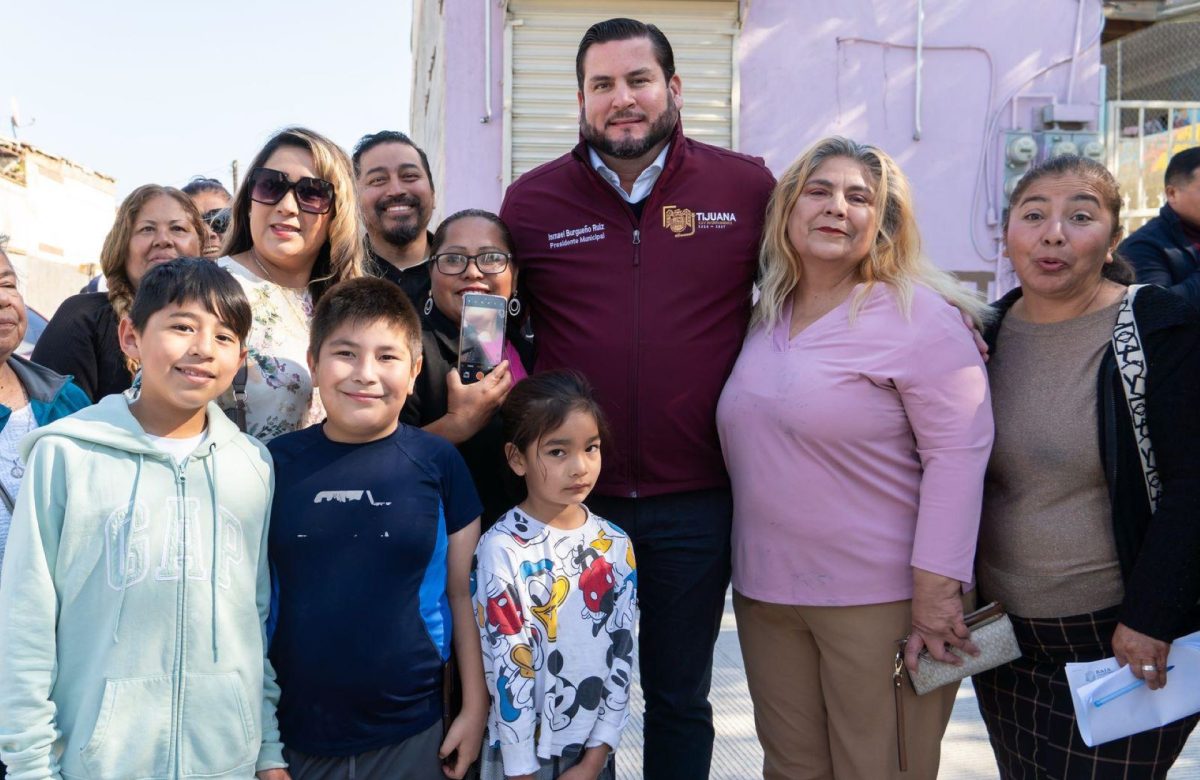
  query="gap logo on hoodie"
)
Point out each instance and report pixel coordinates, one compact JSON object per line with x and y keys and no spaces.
{"x":182,"y":547}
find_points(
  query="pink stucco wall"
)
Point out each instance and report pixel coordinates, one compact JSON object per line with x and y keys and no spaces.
{"x":473,"y":150}
{"x":802,"y":78}
{"x":800,"y":82}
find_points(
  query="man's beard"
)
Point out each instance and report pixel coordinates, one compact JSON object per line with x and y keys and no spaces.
{"x":631,"y":148}
{"x":402,"y":234}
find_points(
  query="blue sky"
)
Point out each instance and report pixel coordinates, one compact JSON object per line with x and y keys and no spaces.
{"x":159,"y":91}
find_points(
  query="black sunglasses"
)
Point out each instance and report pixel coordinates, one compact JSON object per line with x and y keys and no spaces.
{"x":217,"y":220}
{"x":268,"y":186}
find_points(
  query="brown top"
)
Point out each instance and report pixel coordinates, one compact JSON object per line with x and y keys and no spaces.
{"x":1046,"y":544}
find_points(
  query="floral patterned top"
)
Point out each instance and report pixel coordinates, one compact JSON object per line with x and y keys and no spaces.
{"x":280,"y":397}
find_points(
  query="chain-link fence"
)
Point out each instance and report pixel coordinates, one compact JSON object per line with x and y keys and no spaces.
{"x":1153,"y":111}
{"x":1157,"y":63}
{"x":1142,"y":136}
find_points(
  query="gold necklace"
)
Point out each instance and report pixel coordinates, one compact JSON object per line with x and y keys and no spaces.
{"x":284,"y":292}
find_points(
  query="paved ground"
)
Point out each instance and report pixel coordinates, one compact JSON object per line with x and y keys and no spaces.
{"x":966,"y":754}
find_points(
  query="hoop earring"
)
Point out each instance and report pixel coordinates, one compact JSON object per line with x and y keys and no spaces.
{"x":429,"y":304}
{"x":514,"y":306}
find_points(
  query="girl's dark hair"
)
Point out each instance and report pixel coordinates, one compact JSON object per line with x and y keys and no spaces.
{"x":542,"y":402}
{"x":193,"y":279}
{"x":1095,"y":174}
{"x":439,"y":235}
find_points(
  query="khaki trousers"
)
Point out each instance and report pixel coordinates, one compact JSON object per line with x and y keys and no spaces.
{"x":824,"y":704}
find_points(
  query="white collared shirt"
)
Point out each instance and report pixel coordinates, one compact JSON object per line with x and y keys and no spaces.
{"x":645,"y":180}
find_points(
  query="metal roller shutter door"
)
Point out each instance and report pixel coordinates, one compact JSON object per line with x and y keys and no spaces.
{"x":541,"y":116}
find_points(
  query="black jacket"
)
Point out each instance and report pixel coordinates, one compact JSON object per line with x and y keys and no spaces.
{"x":414,"y":281}
{"x":484,"y":452}
{"x":81,"y":341}
{"x":1161,"y":254}
{"x":1159,"y":554}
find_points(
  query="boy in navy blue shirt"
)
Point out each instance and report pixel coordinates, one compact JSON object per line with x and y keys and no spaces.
{"x":372,"y":533}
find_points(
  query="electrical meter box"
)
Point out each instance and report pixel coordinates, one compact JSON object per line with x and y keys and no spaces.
{"x":1025,"y":148}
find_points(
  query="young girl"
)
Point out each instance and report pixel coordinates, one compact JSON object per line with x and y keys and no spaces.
{"x":555,"y":596}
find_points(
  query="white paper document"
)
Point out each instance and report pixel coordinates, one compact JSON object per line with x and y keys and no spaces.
{"x":1111,"y":703}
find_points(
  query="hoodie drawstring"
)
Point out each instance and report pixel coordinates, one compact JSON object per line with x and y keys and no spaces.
{"x":216,"y":538}
{"x":130,"y":518}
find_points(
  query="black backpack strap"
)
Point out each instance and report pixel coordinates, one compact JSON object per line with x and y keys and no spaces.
{"x":237,"y":413}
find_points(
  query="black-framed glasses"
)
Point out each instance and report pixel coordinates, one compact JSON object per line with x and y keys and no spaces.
{"x":268,"y":186}
{"x":217,"y":220}
{"x":454,"y":264}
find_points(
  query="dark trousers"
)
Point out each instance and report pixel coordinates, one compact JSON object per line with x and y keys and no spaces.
{"x":1030,"y":718}
{"x":682,"y":546}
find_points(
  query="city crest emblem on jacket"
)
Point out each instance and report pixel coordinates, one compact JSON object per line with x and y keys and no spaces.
{"x":681,"y":222}
{"x":685,"y":222}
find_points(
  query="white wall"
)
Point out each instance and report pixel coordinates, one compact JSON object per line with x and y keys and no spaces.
{"x":57,"y":223}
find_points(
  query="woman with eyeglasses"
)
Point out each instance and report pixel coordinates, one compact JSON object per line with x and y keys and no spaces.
{"x":471,"y":252}
{"x":295,"y":230}
{"x":154,"y":224}
{"x":212,"y":201}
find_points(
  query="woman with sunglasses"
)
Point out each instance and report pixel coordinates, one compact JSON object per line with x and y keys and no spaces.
{"x":295,"y":230}
{"x":212,"y":200}
{"x":471,"y":252}
{"x":154,"y":224}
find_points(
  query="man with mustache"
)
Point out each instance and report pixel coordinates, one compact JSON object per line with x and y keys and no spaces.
{"x":395,"y":190}
{"x":638,"y":253}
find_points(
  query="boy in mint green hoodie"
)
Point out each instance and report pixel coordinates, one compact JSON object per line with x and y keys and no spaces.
{"x":135,"y":586}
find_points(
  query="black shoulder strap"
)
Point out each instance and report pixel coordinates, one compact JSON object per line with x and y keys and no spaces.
{"x":237,"y":413}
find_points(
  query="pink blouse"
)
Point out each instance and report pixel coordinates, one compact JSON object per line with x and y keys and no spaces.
{"x":856,"y":451}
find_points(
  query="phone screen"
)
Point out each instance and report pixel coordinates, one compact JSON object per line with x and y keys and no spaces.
{"x":481,"y":335}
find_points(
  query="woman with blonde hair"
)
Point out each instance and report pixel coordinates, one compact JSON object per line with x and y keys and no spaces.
{"x":154,"y":224}
{"x":856,"y":429}
{"x":295,"y":231}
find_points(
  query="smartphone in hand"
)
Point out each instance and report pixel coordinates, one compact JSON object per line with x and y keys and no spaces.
{"x":481,"y":335}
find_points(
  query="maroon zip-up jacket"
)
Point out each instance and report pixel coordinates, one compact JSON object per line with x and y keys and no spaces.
{"x":651,"y":311}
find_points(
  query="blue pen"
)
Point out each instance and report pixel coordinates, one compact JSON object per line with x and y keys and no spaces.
{"x":1133,"y":686}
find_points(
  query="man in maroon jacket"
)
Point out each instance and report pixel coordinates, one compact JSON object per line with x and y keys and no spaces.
{"x":638,"y":250}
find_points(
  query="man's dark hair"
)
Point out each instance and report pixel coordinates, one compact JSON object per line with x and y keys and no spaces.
{"x":1182,"y":167}
{"x":192,"y":279}
{"x":362,"y":302}
{"x":621,"y":29}
{"x":369,"y":142}
{"x":200,"y":184}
